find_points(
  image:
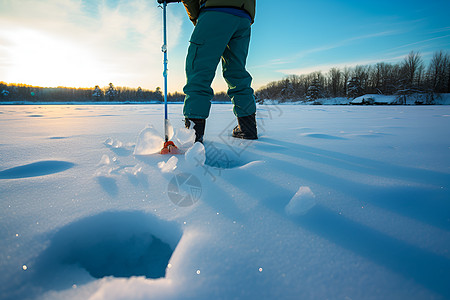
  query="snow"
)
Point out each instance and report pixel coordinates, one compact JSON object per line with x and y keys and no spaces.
{"x":413,"y":99}
{"x":301,"y":203}
{"x":196,"y":155}
{"x":373,"y":98}
{"x":332,"y":202}
{"x":444,"y":99}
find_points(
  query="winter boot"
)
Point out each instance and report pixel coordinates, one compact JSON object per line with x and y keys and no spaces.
{"x":199,"y":127}
{"x":246,"y":128}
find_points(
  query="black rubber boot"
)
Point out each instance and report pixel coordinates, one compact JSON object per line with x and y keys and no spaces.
{"x":199,"y":127}
{"x":246,"y":128}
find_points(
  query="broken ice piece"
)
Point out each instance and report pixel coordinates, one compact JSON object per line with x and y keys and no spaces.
{"x":133,"y":170}
{"x":148,"y":142}
{"x":109,"y":142}
{"x":168,"y":166}
{"x":104,"y":161}
{"x":184,"y":138}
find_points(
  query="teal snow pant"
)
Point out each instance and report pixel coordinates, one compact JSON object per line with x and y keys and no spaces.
{"x":218,"y":36}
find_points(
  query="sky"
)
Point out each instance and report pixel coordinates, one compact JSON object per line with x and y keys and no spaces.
{"x":83,"y":43}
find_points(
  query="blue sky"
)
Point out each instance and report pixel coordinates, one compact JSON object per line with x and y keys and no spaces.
{"x":86,"y":42}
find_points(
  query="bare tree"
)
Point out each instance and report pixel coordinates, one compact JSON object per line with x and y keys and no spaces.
{"x":375,"y":79}
{"x":448,"y":74}
{"x":411,"y":65}
{"x":438,"y":72}
{"x":335,"y":82}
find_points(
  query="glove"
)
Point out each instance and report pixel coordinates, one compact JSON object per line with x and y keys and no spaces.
{"x":168,"y":1}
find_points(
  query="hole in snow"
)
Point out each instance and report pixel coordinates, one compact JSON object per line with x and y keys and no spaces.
{"x":119,"y":244}
{"x":221,"y":156}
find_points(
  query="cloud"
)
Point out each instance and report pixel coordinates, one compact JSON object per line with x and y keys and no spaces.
{"x":107,"y":41}
{"x":422,"y":42}
{"x":312,"y":51}
{"x":346,"y":42}
{"x":326,"y":67}
{"x":443,"y":29}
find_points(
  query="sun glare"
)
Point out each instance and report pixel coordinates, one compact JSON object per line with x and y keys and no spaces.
{"x":41,"y":59}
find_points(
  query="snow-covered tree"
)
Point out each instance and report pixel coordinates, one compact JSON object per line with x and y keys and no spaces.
{"x":287,"y":92}
{"x":345,"y":77}
{"x":97,"y":94}
{"x":314,"y":91}
{"x":111,"y":93}
{"x":354,"y":88}
{"x":4,"y":93}
{"x":158,"y":91}
{"x":139,"y":94}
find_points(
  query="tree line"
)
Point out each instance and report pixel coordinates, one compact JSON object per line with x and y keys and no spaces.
{"x":404,"y":78}
{"x":110,"y":93}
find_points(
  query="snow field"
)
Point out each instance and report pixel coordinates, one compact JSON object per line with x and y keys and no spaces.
{"x":330,"y":203}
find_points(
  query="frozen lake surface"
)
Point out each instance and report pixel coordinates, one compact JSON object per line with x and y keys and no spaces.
{"x":332,"y":202}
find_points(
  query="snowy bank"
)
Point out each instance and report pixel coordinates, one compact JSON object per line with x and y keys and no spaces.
{"x":371,"y":99}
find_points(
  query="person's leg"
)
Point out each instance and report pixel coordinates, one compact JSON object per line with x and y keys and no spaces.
{"x":239,"y":82}
{"x":233,"y":66}
{"x":208,"y":42}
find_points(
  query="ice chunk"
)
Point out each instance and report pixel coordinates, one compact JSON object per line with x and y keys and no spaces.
{"x":301,"y":203}
{"x":133,"y":170}
{"x":104,"y":161}
{"x":109,"y":142}
{"x":148,"y":142}
{"x":168,"y":166}
{"x":184,"y":138}
{"x":117,"y":144}
{"x":195,"y":156}
{"x":103,"y":171}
